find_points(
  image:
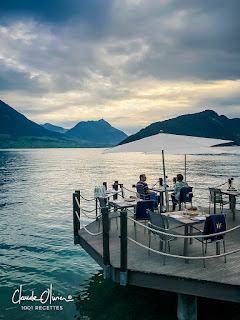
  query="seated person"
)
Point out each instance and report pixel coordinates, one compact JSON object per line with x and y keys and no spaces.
{"x":143,"y":183}
{"x":178,"y":186}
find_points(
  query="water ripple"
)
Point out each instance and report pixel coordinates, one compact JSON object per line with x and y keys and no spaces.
{"x":36,"y":189}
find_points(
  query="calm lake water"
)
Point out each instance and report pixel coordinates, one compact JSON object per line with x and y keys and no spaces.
{"x":36,"y":247}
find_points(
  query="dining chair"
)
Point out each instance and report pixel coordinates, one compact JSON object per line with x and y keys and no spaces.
{"x":140,"y":191}
{"x":213,"y":224}
{"x":157,"y":223}
{"x":186,"y":195}
{"x":143,"y":210}
{"x":216,"y":197}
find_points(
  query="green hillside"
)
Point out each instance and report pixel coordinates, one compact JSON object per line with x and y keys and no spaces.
{"x":206,"y":124}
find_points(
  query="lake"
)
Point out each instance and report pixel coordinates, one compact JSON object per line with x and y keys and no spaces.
{"x":36,"y":232}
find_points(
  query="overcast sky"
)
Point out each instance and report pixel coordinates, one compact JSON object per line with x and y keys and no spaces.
{"x":130,"y":62}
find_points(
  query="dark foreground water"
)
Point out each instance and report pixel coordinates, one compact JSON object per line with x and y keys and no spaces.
{"x":36,"y":242}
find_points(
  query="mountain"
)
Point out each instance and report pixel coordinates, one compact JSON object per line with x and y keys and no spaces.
{"x":206,"y":124}
{"x":16,"y":131}
{"x":53,"y":128}
{"x":96,"y":131}
{"x":15,"y":124}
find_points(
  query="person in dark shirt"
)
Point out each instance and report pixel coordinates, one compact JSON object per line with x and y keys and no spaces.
{"x":142,"y":182}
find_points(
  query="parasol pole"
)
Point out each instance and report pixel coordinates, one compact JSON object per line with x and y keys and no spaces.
{"x":185,"y":163}
{"x":165,"y":182}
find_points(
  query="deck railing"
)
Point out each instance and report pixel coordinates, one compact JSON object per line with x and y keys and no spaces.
{"x":103,"y":220}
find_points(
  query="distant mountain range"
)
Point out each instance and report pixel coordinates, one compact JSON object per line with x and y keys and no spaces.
{"x":53,"y":128}
{"x":96,"y":131}
{"x":16,"y":131}
{"x":206,"y":124}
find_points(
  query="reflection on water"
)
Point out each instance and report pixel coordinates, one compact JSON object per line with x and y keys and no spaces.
{"x":36,"y":247}
{"x":112,"y":301}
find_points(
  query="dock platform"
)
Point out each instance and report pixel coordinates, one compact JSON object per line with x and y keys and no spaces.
{"x":218,"y":280}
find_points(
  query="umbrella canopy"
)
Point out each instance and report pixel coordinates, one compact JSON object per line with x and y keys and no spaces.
{"x":171,"y":144}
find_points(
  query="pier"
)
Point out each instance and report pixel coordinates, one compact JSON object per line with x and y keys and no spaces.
{"x":119,"y":244}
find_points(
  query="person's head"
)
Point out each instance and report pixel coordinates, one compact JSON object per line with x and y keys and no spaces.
{"x":142,"y":177}
{"x":180,"y":177}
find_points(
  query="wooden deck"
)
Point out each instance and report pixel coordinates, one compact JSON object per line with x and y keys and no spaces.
{"x":219,"y":280}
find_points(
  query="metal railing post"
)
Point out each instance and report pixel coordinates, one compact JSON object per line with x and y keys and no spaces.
{"x":76,"y":223}
{"x":214,"y":202}
{"x":123,"y":237}
{"x":121,"y":186}
{"x":96,"y":207}
{"x":115,"y":187}
{"x":106,"y":252}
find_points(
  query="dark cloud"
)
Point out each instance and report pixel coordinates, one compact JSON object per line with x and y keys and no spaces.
{"x":56,"y":10}
{"x":98,"y":52}
{"x":223,"y":104}
{"x":178,"y":39}
{"x":187,"y":39}
{"x":15,"y":80}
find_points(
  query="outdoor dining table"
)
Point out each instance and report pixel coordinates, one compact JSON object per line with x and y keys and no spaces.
{"x":161,"y":190}
{"x":109,"y":193}
{"x":187,"y":221}
{"x":122,"y":204}
{"x":232,"y":200}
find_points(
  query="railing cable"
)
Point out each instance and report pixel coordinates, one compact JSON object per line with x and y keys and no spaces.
{"x":182,"y":236}
{"x":87,"y":199}
{"x":91,"y":233}
{"x":129,"y":190}
{"x":89,"y":211}
{"x":182,"y":257}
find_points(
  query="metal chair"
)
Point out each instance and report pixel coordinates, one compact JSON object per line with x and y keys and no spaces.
{"x":140,"y":191}
{"x":214,"y":224}
{"x":186,"y":195}
{"x":157,"y":223}
{"x":144,"y":208}
{"x":142,"y":211}
{"x":216,"y":197}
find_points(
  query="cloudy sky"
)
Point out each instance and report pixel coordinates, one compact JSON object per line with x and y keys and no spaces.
{"x":130,"y":62}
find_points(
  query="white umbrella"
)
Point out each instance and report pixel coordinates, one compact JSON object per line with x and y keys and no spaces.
{"x":171,"y":144}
